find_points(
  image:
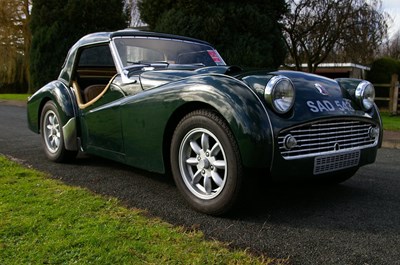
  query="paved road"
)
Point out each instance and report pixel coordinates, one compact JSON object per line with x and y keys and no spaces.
{"x":357,"y":222}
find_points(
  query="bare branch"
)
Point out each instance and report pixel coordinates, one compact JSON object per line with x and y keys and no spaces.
{"x":317,"y":29}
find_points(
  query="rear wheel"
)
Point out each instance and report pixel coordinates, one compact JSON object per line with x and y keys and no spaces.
{"x":52,"y":134}
{"x":206,"y":163}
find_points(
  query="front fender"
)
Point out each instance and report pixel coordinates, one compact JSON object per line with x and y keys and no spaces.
{"x":145,"y":117}
{"x":350,"y":85}
{"x":245,"y":113}
{"x":61,"y":95}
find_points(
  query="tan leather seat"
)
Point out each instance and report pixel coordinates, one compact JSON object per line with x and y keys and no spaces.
{"x":92,"y":91}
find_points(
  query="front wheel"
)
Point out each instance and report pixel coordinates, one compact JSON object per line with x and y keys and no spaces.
{"x":206,"y":163}
{"x":52,"y":134}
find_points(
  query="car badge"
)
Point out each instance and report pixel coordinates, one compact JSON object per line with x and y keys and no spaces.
{"x":321,"y":89}
{"x":336,"y":147}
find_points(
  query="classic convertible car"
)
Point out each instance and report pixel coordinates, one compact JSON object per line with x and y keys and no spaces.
{"x":169,"y":103}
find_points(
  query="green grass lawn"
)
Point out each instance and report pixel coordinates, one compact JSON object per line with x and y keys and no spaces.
{"x":391,"y":123}
{"x":46,"y":222}
{"x":22,"y":97}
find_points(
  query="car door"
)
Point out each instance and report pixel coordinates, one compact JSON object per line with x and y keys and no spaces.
{"x":100,"y":120}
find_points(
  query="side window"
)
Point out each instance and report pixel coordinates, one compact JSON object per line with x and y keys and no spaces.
{"x":96,"y":56}
{"x":94,"y":70}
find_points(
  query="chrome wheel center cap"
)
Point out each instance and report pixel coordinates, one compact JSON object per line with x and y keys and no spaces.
{"x":204,"y":163}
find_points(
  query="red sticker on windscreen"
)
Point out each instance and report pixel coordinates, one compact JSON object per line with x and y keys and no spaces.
{"x":215,"y":56}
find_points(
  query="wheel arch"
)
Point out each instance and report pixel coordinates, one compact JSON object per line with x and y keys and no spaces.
{"x":174,"y":120}
{"x":63,"y":98}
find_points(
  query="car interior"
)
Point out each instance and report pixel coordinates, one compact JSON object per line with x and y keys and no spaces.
{"x":93,"y":74}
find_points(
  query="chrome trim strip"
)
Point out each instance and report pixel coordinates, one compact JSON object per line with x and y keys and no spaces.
{"x":324,"y":152}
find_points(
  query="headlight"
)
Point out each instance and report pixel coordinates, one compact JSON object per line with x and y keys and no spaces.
{"x":365,"y":95}
{"x":279,"y":93}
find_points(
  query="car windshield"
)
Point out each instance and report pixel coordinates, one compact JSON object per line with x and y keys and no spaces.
{"x":139,"y":50}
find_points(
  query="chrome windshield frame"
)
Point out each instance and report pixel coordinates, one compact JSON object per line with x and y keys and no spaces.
{"x":120,"y":66}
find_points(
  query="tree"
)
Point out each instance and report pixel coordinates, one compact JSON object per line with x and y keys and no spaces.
{"x":317,"y":29}
{"x":15,"y":41}
{"x":246,"y":33}
{"x":393,"y":48}
{"x":132,"y":7}
{"x":56,"y":25}
{"x":382,"y":70}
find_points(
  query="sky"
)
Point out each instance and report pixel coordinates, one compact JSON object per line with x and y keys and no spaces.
{"x":392,"y":7}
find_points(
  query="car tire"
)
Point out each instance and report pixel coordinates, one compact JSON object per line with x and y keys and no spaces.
{"x":205,"y":162}
{"x":52,"y":134}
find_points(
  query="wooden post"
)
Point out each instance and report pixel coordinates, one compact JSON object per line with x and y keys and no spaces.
{"x":394,"y":94}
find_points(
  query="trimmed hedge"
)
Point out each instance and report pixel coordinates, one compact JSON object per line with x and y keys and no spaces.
{"x":382,"y":70}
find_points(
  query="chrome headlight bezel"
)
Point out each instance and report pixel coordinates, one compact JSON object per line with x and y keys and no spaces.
{"x":365,"y":95}
{"x":280,"y":94}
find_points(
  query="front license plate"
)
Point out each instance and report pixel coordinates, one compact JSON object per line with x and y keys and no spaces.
{"x":334,"y":162}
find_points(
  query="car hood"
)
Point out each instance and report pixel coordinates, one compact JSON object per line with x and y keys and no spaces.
{"x":151,"y":79}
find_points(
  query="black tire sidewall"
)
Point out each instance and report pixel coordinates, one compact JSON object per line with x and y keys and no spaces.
{"x":210,"y":121}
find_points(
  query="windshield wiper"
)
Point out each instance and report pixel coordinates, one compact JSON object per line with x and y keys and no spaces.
{"x":144,"y":66}
{"x":150,"y":63}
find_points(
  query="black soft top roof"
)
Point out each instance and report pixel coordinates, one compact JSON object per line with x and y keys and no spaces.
{"x":107,"y":36}
{"x":133,"y":32}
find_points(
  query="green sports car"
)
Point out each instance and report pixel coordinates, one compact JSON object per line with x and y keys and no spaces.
{"x":169,"y":103}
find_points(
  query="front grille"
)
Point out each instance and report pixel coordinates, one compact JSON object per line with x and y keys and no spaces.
{"x":326,"y":137}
